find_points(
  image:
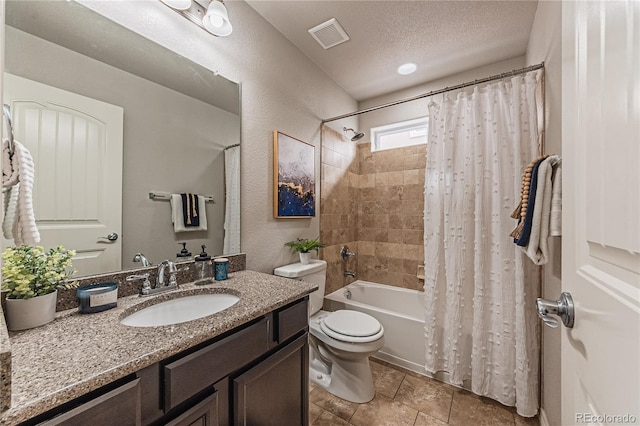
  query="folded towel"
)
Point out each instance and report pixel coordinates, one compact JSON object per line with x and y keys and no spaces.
{"x":523,"y":238}
{"x":177,"y":214}
{"x":555,"y":222}
{"x":190,"y":209}
{"x":538,"y":248}
{"x":24,"y":227}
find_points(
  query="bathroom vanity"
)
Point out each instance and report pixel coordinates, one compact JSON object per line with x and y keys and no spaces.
{"x":247,"y":364}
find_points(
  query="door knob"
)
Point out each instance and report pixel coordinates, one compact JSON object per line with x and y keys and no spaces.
{"x":111,"y":237}
{"x":562,"y":307}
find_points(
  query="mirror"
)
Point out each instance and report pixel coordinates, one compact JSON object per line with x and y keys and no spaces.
{"x":178,"y":118}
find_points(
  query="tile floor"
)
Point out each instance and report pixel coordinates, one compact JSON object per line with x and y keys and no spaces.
{"x":407,"y":398}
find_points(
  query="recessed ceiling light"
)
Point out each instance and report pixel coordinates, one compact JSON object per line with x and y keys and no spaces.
{"x":408,"y":68}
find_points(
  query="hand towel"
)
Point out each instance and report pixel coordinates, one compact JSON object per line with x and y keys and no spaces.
{"x":555,"y":222}
{"x":190,"y":209}
{"x":20,"y":168}
{"x":538,"y":248}
{"x":177,"y":217}
{"x":523,"y":238}
{"x":10,"y":200}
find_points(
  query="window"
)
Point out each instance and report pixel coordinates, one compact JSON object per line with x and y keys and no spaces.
{"x":399,"y":135}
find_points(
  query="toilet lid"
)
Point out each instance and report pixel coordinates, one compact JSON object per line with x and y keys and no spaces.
{"x":352,"y":326}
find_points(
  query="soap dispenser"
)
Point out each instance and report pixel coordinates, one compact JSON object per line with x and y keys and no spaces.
{"x":203,"y":264}
{"x":184,"y":253}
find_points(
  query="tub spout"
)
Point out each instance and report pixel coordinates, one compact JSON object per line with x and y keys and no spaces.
{"x":349,"y":274}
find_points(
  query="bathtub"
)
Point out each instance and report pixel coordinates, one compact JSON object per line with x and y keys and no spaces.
{"x":399,"y":310}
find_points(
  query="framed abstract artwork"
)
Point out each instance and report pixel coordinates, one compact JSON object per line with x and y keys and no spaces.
{"x":294,"y":180}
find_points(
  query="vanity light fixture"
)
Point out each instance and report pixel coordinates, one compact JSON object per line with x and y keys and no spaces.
{"x":178,"y":4}
{"x":211,"y":15}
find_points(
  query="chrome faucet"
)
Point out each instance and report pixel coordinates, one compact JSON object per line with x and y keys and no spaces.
{"x":144,"y":262}
{"x":161,"y":267}
{"x":349,"y":274}
{"x":160,"y":285}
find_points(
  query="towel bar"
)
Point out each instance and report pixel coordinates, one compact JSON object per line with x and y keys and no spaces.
{"x":165,"y":196}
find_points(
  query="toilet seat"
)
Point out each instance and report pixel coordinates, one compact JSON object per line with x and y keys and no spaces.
{"x":351,"y":326}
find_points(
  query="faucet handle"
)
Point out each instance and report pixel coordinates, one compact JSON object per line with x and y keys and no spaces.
{"x":146,"y":285}
{"x":345,"y":253}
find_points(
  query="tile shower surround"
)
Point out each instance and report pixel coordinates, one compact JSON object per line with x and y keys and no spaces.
{"x":373,"y":202}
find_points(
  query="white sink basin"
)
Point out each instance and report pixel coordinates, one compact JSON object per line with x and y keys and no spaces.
{"x":179,"y":310}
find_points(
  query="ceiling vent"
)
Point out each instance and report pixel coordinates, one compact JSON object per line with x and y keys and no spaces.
{"x":329,"y":33}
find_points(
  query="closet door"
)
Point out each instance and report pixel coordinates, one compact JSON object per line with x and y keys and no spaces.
{"x":601,"y":211}
{"x":76,"y":144}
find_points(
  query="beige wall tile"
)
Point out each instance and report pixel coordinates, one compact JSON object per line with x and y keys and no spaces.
{"x":411,"y":252}
{"x":395,"y":178}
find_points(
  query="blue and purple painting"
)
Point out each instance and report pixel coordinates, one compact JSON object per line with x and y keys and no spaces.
{"x":295,"y":195}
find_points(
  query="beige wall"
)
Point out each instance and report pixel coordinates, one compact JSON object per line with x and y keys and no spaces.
{"x":338,"y":206}
{"x":281,"y":90}
{"x":545,"y":45}
{"x":373,"y":203}
{"x":390,"y":215}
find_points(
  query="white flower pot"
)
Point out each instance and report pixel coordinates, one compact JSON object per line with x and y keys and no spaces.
{"x":305,"y":258}
{"x":29,"y":313}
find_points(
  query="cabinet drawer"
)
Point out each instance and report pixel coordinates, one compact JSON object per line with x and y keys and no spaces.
{"x":193,"y":373}
{"x":120,"y":406}
{"x":291,"y":319}
{"x":203,"y":413}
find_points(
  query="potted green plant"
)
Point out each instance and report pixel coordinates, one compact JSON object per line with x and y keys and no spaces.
{"x":31,"y":277}
{"x":303,"y":246}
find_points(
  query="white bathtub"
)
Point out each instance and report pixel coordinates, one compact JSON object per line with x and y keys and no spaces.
{"x":399,"y":310}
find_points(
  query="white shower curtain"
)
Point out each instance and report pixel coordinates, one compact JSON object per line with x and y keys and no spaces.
{"x":232,"y":200}
{"x":480,"y":290}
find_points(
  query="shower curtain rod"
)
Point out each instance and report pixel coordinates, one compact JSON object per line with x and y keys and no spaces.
{"x":437,"y":92}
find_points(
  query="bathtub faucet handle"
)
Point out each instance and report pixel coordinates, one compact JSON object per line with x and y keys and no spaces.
{"x":345,"y":253}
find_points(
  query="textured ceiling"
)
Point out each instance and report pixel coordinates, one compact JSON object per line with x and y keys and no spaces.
{"x":442,"y":37}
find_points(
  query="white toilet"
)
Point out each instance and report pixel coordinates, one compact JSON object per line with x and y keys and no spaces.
{"x":340,"y":342}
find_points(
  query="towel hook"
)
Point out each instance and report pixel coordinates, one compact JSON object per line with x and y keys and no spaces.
{"x":6,"y":113}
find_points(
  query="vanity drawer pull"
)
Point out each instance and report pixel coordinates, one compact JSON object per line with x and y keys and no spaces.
{"x":195,"y":372}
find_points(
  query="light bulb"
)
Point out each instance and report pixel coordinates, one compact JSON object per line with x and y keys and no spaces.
{"x":216,"y":21}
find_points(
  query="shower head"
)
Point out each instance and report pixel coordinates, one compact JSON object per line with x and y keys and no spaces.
{"x":356,"y":135}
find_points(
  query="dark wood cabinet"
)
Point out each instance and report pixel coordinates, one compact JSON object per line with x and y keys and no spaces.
{"x":274,"y":392}
{"x":204,"y":413}
{"x":119,"y":406}
{"x":256,"y":374}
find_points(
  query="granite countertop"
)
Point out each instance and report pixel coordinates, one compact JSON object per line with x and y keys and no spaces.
{"x":78,"y":353}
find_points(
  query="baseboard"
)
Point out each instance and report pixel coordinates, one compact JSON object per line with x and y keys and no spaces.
{"x":543,"y":418}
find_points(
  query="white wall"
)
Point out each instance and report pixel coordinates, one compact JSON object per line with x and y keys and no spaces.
{"x":418,"y":108}
{"x":281,"y":90}
{"x":545,"y":45}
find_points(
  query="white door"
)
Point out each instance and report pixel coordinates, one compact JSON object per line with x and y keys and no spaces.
{"x":601,"y":213}
{"x":76,"y":144}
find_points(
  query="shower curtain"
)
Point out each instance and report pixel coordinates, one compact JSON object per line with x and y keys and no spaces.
{"x":232,"y":200}
{"x":480,"y":290}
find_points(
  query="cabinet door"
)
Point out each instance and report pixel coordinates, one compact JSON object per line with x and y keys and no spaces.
{"x":276,"y":391}
{"x":120,"y":406}
{"x":204,"y":413}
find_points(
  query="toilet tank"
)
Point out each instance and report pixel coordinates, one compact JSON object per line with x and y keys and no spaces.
{"x":314,"y":273}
